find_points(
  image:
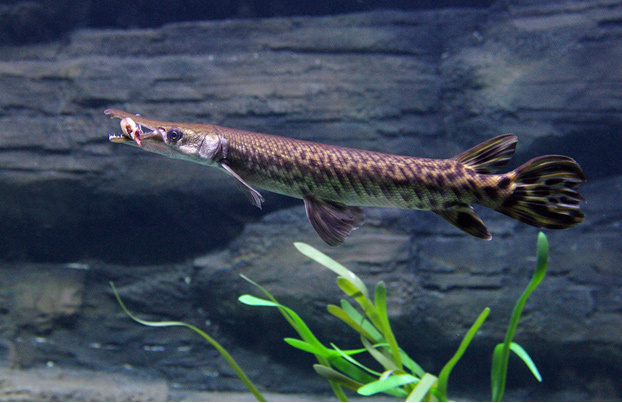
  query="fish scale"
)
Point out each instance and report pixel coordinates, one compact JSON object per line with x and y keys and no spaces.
{"x":361,"y":178}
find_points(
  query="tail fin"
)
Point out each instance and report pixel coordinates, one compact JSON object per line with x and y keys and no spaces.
{"x":545,"y":193}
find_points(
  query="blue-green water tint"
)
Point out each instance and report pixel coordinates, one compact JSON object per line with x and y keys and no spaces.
{"x":416,"y":78}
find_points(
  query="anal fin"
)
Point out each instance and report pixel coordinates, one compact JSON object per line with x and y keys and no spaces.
{"x":462,"y":216}
{"x":333,"y":221}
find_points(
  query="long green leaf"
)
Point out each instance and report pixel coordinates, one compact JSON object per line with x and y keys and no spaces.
{"x":498,"y":377}
{"x":522,"y":354}
{"x":331,"y":264}
{"x":362,"y":320}
{"x":238,"y":370}
{"x":422,"y":389}
{"x":412,"y":365}
{"x":352,"y":370}
{"x":292,"y":317}
{"x":300,"y":326}
{"x":408,"y":362}
{"x":340,"y":359}
{"x":337,"y":377}
{"x":341,"y":314}
{"x":382,"y":359}
{"x":351,"y":360}
{"x":497,"y":360}
{"x":306,"y":347}
{"x":383,"y":385}
{"x":353,"y":291}
{"x":303,"y":330}
{"x":368,"y":307}
{"x":380,"y":299}
{"x":252,"y":300}
{"x":271,"y":298}
{"x":443,"y":377}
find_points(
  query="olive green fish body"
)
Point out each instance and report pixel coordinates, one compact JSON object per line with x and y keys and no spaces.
{"x":335,"y":181}
{"x":354,"y":177}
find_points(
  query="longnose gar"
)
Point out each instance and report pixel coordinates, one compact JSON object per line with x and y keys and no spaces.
{"x":335,"y":181}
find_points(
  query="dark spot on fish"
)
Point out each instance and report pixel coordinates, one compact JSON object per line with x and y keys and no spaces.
{"x":369,"y":187}
{"x":540,"y":191}
{"x":287,"y":164}
{"x":553,"y":181}
{"x":471,"y":183}
{"x":403,"y":183}
{"x":491,"y":191}
{"x":539,"y":209}
{"x":464,"y":220}
{"x":406,"y":196}
{"x":530,"y":179}
{"x":511,"y":200}
{"x":336,"y":186}
{"x":428,"y":177}
{"x":448,"y":204}
{"x":451,"y":176}
{"x":504,"y":183}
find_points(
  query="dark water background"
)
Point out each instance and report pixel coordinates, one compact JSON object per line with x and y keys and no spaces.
{"x":417,"y":78}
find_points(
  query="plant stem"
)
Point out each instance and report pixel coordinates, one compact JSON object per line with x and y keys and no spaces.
{"x":499,"y":378}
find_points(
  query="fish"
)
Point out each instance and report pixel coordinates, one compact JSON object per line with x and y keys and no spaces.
{"x":336,"y":182}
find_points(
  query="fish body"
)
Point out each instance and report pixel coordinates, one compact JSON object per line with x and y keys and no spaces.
{"x":335,"y":182}
{"x":353,"y":177}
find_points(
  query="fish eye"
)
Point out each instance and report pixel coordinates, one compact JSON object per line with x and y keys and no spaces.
{"x":174,"y":135}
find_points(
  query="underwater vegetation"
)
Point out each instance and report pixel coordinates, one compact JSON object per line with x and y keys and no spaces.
{"x":396,"y":374}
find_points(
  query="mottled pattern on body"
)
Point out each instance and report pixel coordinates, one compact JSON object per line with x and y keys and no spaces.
{"x":358,"y":177}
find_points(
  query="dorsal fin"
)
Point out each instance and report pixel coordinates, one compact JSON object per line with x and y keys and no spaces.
{"x":491,"y":155}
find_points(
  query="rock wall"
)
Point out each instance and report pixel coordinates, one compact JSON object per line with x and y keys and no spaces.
{"x":417,"y":83}
{"x":425,"y":84}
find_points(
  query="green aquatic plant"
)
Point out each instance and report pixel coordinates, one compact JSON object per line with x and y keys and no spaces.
{"x":238,"y":370}
{"x":398,"y":374}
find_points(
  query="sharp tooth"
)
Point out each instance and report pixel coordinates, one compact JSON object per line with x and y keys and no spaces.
{"x":115,"y":137}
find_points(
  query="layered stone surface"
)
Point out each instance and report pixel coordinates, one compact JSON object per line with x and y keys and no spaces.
{"x":175,"y":236}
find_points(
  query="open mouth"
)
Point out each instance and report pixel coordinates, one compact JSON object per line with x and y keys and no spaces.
{"x":133,"y":131}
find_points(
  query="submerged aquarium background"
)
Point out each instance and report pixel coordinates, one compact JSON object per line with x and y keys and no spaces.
{"x":420,"y":78}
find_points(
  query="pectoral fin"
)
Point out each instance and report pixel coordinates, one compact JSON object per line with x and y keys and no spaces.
{"x":462,"y":216}
{"x":333,"y":221}
{"x":254,"y":196}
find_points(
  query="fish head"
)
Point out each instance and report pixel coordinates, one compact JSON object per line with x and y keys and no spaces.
{"x":175,"y":140}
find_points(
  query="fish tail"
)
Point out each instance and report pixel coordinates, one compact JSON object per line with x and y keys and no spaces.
{"x":484,"y":158}
{"x":545,"y":193}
